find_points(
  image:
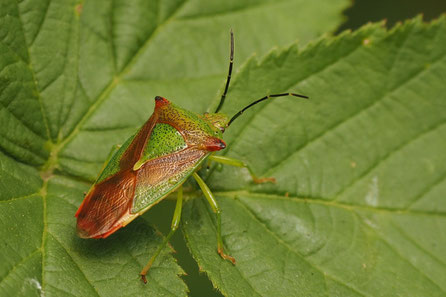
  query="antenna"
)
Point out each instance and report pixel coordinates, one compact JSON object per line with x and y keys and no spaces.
{"x":228,"y":79}
{"x":263,"y":99}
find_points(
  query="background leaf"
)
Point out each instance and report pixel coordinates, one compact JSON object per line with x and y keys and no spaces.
{"x":358,"y":208}
{"x":79,"y":77}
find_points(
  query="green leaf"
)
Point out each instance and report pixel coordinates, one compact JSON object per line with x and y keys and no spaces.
{"x":78,"y":77}
{"x":358,"y":208}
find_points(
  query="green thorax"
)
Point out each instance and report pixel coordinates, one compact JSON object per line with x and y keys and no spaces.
{"x":194,"y":127}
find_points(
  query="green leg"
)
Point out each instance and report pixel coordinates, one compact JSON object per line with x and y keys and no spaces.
{"x":209,"y":162}
{"x":214,"y":205}
{"x":173,"y":228}
{"x":238,"y":163}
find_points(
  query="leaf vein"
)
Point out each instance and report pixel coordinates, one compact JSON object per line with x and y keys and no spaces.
{"x":112,"y":84}
{"x":29,"y":63}
{"x":395,"y":250}
{"x":20,"y":198}
{"x":21,"y":122}
{"x":282,"y":242}
{"x":40,"y":25}
{"x":76,"y":264}
{"x":18,"y":264}
{"x":43,"y":192}
{"x":415,"y":243}
{"x":209,"y":212}
{"x":427,"y":190}
{"x":387,"y":156}
{"x":330,"y":203}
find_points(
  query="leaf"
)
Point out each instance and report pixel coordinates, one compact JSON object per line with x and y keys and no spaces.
{"x":358,"y":208}
{"x":78,"y":77}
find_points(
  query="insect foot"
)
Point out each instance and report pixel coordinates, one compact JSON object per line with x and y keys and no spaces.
{"x":264,"y":180}
{"x":225,"y":256}
{"x":143,"y":278}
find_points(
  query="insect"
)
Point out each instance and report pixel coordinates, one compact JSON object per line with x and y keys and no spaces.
{"x":170,"y":147}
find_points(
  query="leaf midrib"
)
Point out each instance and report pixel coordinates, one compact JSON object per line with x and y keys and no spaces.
{"x":194,"y":194}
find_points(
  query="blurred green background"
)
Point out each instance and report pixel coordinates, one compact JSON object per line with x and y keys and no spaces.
{"x":360,"y":13}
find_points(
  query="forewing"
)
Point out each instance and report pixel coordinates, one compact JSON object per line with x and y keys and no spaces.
{"x":158,"y":177}
{"x":109,"y":202}
{"x":106,"y":205}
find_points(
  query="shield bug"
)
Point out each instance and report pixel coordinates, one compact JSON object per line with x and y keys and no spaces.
{"x":157,"y":160}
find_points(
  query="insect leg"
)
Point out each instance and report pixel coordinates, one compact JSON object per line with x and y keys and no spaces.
{"x":216,"y":209}
{"x":238,"y":163}
{"x":209,"y":162}
{"x":173,"y":228}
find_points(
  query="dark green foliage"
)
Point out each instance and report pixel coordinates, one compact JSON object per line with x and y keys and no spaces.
{"x":358,"y":208}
